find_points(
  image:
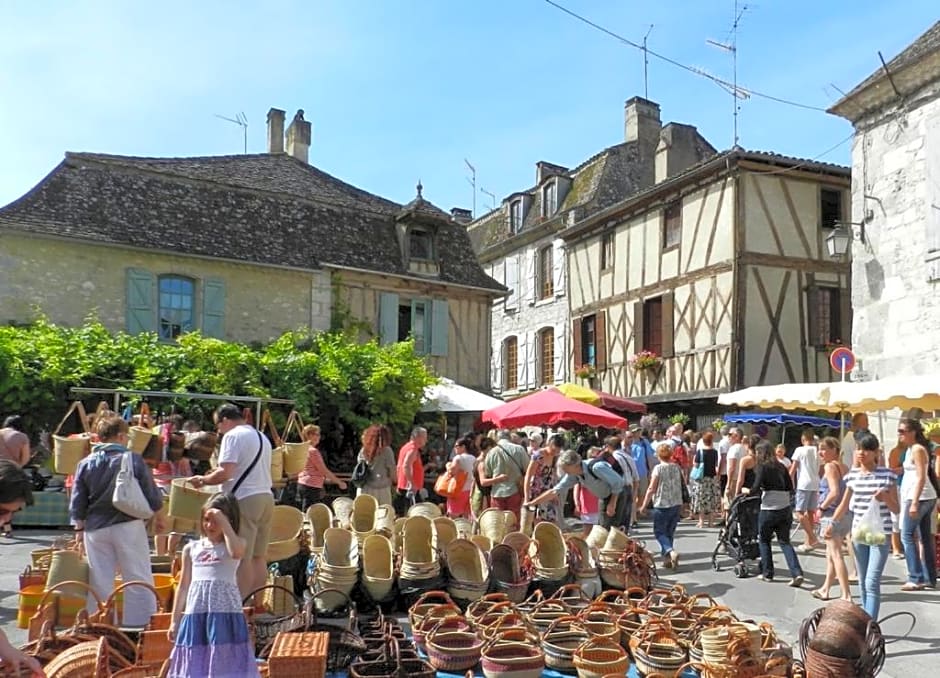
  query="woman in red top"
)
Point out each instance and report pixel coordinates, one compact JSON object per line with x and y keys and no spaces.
{"x":311,"y":479}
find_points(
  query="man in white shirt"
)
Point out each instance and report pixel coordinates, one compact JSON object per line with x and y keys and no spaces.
{"x":723,"y":446}
{"x":858,"y":426}
{"x":804,"y":470}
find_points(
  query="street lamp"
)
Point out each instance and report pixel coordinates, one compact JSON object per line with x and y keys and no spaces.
{"x":841,"y":236}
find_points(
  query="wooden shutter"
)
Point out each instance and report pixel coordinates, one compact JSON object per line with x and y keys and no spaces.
{"x":561,"y":355}
{"x":512,"y":282}
{"x":669,"y":325}
{"x":812,"y":315}
{"x":638,"y":339}
{"x":440,"y":326}
{"x":600,"y":341}
{"x":576,"y":349}
{"x":388,"y":317}
{"x":141,"y":301}
{"x":213,"y":308}
{"x":558,"y":265}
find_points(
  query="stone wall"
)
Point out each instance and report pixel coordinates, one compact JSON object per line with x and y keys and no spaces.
{"x":895,"y":286}
{"x":68,"y":280}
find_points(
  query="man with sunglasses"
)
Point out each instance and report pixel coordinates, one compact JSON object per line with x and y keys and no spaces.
{"x":16,"y":491}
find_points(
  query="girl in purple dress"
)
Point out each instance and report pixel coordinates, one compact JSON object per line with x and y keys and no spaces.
{"x":211,"y":636}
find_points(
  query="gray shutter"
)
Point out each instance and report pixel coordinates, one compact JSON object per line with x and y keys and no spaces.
{"x":388,"y":317}
{"x":512,"y":282}
{"x":561,"y":355}
{"x":440,"y":324}
{"x":529,"y":277}
{"x":522,"y":361}
{"x":141,"y":301}
{"x":213,"y":308}
{"x":558,"y":266}
{"x":498,"y":367}
{"x":933,"y":188}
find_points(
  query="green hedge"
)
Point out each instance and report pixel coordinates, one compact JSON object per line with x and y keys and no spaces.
{"x":337,"y":382}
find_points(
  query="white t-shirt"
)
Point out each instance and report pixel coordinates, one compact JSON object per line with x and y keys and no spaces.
{"x":736,"y":452}
{"x":848,"y":448}
{"x":807,"y":477}
{"x":239,"y":446}
{"x":466,"y":463}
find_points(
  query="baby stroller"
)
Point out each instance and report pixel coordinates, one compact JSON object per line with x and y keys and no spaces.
{"x":738,"y":537}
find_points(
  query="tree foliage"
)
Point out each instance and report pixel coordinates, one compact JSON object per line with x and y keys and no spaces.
{"x":336,"y":381}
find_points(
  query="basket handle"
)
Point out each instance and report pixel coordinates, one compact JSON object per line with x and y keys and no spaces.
{"x":432,"y":596}
{"x":610,"y":596}
{"x":570,"y":588}
{"x":76,"y":406}
{"x":313,"y":602}
{"x":267,"y":424}
{"x":297,"y":601}
{"x":294,"y":423}
{"x":108,"y":606}
{"x":565,"y":619}
{"x":63,"y":584}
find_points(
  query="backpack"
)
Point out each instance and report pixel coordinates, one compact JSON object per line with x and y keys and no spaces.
{"x":610,"y":459}
{"x":361,"y":473}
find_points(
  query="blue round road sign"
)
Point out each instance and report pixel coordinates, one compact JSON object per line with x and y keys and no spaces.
{"x":842,"y":359}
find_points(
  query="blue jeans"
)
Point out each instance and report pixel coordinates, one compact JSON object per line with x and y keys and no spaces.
{"x":919,"y":570}
{"x":870,"y":561}
{"x":665,"y":521}
{"x":777,"y":522}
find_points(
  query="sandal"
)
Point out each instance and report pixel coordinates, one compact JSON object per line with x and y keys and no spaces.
{"x":912,"y":587}
{"x":818,"y":595}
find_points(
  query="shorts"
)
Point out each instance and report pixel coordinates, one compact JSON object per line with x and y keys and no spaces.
{"x":896,"y":523}
{"x":840,"y":528}
{"x":806,"y":501}
{"x":257,"y":511}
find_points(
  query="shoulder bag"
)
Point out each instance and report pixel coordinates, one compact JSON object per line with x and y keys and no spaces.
{"x":128,"y":497}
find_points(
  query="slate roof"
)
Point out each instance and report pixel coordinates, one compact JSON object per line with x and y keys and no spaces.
{"x":924,"y":46}
{"x":257,"y":209}
{"x":599,"y":182}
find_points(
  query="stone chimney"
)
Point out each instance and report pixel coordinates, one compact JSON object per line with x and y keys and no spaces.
{"x":641,"y":122}
{"x":298,"y":137}
{"x":276,"y":130}
{"x":460,"y":215}
{"x":676,"y":151}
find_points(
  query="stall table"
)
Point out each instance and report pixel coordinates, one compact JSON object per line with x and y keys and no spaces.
{"x":49,"y":509}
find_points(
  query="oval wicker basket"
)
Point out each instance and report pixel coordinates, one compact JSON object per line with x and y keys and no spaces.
{"x":187,"y":501}
{"x":511,"y":659}
{"x":452,"y":650}
{"x":597,"y":657}
{"x":68,"y":451}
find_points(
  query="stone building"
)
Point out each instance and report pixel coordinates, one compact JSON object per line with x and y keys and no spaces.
{"x":243,"y":248}
{"x":895,"y":229}
{"x":518,"y":244}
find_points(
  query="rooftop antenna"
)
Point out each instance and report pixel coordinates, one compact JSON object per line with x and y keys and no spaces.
{"x":646,"y":64}
{"x":473,"y":182}
{"x":732,"y":47}
{"x":492,"y":197}
{"x":241,"y":120}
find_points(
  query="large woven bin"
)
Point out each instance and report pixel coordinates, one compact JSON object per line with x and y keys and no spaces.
{"x":552,"y":551}
{"x":378,"y":568}
{"x":469,"y":572}
{"x":385,"y":520}
{"x":444,"y":532}
{"x":138,"y":438}
{"x":496,"y":524}
{"x":362,"y":518}
{"x":340,"y":549}
{"x":281,"y":550}
{"x":416,"y":540}
{"x":295,"y":458}
{"x":68,"y":451}
{"x":320,"y":518}
{"x":652,"y":657}
{"x":425,"y":509}
{"x":277,"y":463}
{"x":286,"y":523}
{"x":187,"y":501}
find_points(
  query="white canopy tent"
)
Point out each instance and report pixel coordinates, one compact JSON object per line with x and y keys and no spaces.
{"x":449,"y":396}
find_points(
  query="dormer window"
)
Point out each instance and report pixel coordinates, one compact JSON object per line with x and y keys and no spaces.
{"x":549,"y":199}
{"x":515,"y":216}
{"x":420,"y":245}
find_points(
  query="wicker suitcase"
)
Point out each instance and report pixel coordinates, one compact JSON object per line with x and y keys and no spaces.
{"x":299,"y":655}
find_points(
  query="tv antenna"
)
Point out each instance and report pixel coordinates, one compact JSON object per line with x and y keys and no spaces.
{"x":241,"y":120}
{"x":472,"y":180}
{"x":737,"y":93}
{"x":646,"y":64}
{"x":492,"y":197}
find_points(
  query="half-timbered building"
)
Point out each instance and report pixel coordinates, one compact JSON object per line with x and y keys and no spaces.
{"x":720,"y":273}
{"x":518,"y":244}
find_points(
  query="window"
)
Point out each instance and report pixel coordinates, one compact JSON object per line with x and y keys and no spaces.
{"x":175,"y":315}
{"x":589,"y":340}
{"x":607,"y":251}
{"x":653,"y":325}
{"x":511,"y":363}
{"x":413,"y":320}
{"x":420,"y":245}
{"x":545,"y":278}
{"x":546,"y":356}
{"x":515,"y":216}
{"x":672,"y":225}
{"x":825,"y":322}
{"x":830,"y":207}
{"x":549,"y":199}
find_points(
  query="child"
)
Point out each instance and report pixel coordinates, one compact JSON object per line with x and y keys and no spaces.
{"x":586,"y":504}
{"x":211,"y":638}
{"x":315,"y":474}
{"x":780,"y":452}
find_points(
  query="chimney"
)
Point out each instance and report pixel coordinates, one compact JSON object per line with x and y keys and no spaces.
{"x":460,"y":215}
{"x":298,"y":137}
{"x":676,"y":151}
{"x":276,"y":130}
{"x":641,"y":122}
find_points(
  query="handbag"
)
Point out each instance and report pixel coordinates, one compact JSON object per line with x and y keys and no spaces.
{"x":128,"y":497}
{"x":698,"y":471}
{"x":451,"y":482}
{"x":361,"y":473}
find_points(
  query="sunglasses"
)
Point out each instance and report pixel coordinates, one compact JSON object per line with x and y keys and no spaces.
{"x":902,"y":431}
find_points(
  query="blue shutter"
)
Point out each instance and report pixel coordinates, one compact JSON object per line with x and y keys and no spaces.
{"x":388,"y":318}
{"x":440,"y":324}
{"x":213,"y":308}
{"x":140,"y":311}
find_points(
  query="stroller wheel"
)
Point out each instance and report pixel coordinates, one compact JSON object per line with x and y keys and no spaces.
{"x":715,"y":566}
{"x":740,"y":570}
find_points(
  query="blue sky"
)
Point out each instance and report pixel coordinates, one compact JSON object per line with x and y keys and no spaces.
{"x":404,"y":90}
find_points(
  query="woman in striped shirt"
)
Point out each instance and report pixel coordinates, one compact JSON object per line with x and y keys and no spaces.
{"x":865,"y":483}
{"x":315,"y":474}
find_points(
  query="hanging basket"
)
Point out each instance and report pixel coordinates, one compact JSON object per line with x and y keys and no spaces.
{"x":138,"y":438}
{"x":69,"y":450}
{"x":187,"y":501}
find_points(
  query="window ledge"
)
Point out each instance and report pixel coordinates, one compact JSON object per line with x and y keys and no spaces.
{"x":671,"y":248}
{"x":545,"y":302}
{"x":608,"y":270}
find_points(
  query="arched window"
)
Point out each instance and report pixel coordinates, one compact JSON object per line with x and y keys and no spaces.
{"x":176,"y":313}
{"x":511,"y":363}
{"x":546,"y":355}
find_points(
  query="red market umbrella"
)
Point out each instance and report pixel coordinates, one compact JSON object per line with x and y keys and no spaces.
{"x":611,"y":402}
{"x":550,"y":408}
